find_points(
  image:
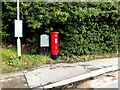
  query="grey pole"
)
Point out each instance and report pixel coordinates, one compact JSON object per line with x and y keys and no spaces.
{"x":18,"y":40}
{"x":17,"y":9}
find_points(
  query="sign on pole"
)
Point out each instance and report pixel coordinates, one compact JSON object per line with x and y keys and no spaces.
{"x":44,"y":40}
{"x":18,"y":28}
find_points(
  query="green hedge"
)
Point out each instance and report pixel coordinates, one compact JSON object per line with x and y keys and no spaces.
{"x":85,"y":28}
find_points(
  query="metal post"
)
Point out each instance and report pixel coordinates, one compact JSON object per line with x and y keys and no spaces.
{"x":19,"y":48}
{"x":17,"y":9}
{"x":18,"y":40}
{"x":44,"y":51}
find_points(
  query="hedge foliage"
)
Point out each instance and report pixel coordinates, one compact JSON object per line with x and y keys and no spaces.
{"x":85,"y":28}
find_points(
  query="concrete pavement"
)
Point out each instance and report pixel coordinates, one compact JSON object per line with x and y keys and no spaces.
{"x":51,"y":75}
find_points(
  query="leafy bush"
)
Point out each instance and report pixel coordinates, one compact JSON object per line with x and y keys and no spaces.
{"x":85,"y":28}
{"x":4,"y":35}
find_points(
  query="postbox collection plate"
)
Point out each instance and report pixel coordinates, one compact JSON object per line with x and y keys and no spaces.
{"x":44,"y":40}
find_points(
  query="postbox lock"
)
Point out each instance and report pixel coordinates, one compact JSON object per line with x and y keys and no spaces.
{"x":55,"y":35}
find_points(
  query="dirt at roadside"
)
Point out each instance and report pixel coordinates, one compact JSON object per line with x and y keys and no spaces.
{"x":14,"y":80}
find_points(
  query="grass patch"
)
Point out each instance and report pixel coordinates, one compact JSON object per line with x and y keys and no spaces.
{"x":11,"y":63}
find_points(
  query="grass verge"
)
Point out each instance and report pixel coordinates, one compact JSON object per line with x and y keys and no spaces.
{"x":11,"y":63}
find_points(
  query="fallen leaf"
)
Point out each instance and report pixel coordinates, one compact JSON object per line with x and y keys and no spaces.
{"x":114,"y":79}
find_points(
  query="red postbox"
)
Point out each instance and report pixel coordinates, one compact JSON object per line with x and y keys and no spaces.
{"x":54,"y":45}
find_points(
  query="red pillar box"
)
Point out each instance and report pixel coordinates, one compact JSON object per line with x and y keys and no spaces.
{"x":54,"y":45}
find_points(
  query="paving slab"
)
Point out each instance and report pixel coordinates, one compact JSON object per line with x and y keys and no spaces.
{"x":51,"y":73}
